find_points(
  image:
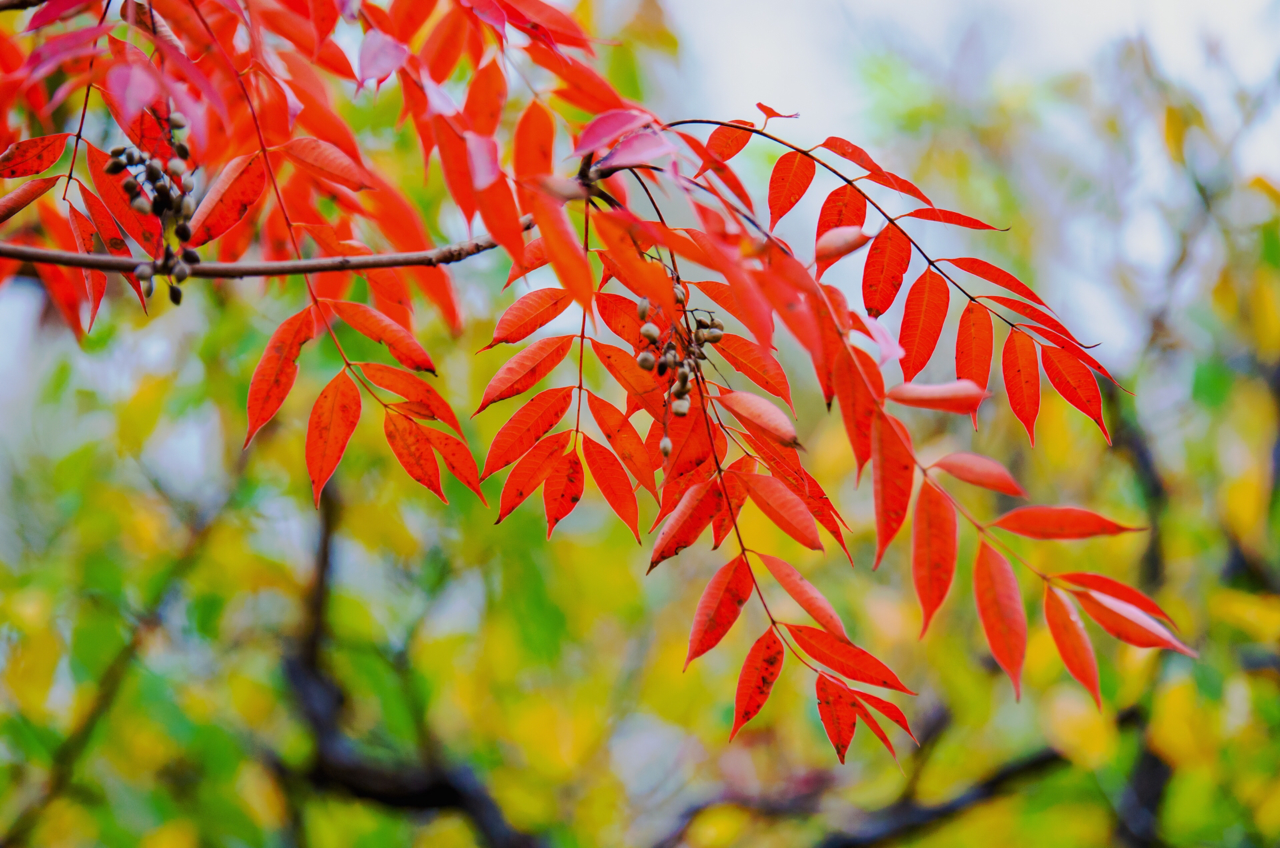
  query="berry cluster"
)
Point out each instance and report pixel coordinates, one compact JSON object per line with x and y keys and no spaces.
{"x":165,"y":190}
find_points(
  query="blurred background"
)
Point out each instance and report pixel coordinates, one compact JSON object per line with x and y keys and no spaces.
{"x":1133,"y":149}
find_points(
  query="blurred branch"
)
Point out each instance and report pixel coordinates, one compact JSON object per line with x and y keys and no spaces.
{"x":446,"y":255}
{"x":10,"y":5}
{"x":337,"y":766}
{"x":68,"y":754}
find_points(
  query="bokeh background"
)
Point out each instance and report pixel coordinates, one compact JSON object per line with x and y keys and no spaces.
{"x":1133,"y":149}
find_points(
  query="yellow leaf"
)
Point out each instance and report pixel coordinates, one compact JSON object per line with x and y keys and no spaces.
{"x":179,"y":833}
{"x":1257,"y":615}
{"x":138,"y":416}
{"x":1076,"y":729}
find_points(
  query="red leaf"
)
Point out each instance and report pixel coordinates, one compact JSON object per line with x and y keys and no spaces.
{"x":960,"y":396}
{"x":110,"y":234}
{"x":409,"y":442}
{"x":753,"y":409}
{"x":858,"y":401}
{"x":374,"y":325}
{"x":719,"y":606}
{"x":522,"y":371}
{"x":457,"y":457}
{"x":273,"y":377}
{"x":806,"y":595}
{"x":844,"y":658}
{"x":613,"y":482}
{"x":761,"y":669}
{"x":22,"y":196}
{"x":31,"y":156}
{"x":870,"y":721}
{"x":893,"y":470}
{"x":530,"y":472}
{"x":95,"y":281}
{"x":770,"y":112}
{"x":724,"y":143}
{"x":922,"y":320}
{"x":1115,"y":589}
{"x":898,"y":183}
{"x":562,"y":489}
{"x":529,"y":313}
{"x":327,"y":161}
{"x":933,"y":549}
{"x":333,"y":420}
{"x":645,"y":278}
{"x":1058,"y":522}
{"x":497,"y":207}
{"x":887,"y":263}
{"x":836,"y":708}
{"x":948,"y":217}
{"x":686,"y":523}
{"x":784,"y":508}
{"x":1075,"y":383}
{"x":888,"y":709}
{"x":1072,"y":348}
{"x":999,"y":276}
{"x":232,"y":194}
{"x":844,"y":207}
{"x":849,"y":150}
{"x":836,"y":243}
{"x":1072,"y":640}
{"x":722,"y":525}
{"x":324,"y":16}
{"x":485,"y":98}
{"x":980,"y":471}
{"x":414,"y":390}
{"x":637,"y":382}
{"x":607,"y":128}
{"x":1022,"y":379}
{"x":1034,"y":313}
{"x":620,"y":315}
{"x":564,"y":250}
{"x":543,"y":411}
{"x":534,"y":140}
{"x":790,"y":179}
{"x":756,"y":364}
{"x":535,"y":257}
{"x":624,"y":440}
{"x":1128,"y":623}
{"x":995,"y":590}
{"x":974,"y":344}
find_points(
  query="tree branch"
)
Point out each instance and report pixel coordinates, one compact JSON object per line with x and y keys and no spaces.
{"x":446,"y":255}
{"x":12,"y":5}
{"x":338,"y":767}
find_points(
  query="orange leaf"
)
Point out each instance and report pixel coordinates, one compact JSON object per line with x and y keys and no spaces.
{"x":836,"y":243}
{"x":620,"y":315}
{"x":724,"y":143}
{"x":530,"y":472}
{"x":455,"y":164}
{"x":933,"y":549}
{"x":756,"y":364}
{"x":686,"y":523}
{"x":624,"y":440}
{"x":531,"y":312}
{"x":999,"y":276}
{"x":960,"y":396}
{"x":273,"y":377}
{"x":409,"y":442}
{"x":980,"y":471}
{"x":1072,"y":640}
{"x":637,"y":382}
{"x":1022,"y":379}
{"x":995,"y":590}
{"x":974,"y":340}
{"x":946,"y":216}
{"x":1116,"y":589}
{"x":485,"y":98}
{"x":562,"y":489}
{"x":1058,"y":522}
{"x":722,"y":525}
{"x":783,"y":508}
{"x":322,"y":159}
{"x":543,"y":411}
{"x":412,"y":389}
{"x":95,"y":281}
{"x":564,"y":249}
{"x":893,"y":471}
{"x":535,"y":256}
{"x":498,"y":211}
{"x":922,"y":320}
{"x":144,"y":229}
{"x":1128,"y":623}
{"x":806,"y":595}
{"x":522,"y":371}
{"x":32,"y":155}
{"x":719,"y":606}
{"x":753,"y":409}
{"x":225,"y":203}
{"x":110,"y":235}
{"x":845,"y":658}
{"x":755,"y":682}
{"x":1075,"y":383}
{"x":790,"y":179}
{"x":534,"y":141}
{"x":887,"y":263}
{"x":858,"y":401}
{"x":855,"y":154}
{"x":374,"y":325}
{"x":1034,"y":313}
{"x":457,"y":457}
{"x":333,"y":420}
{"x":836,"y":708}
{"x":613,"y":482}
{"x":844,"y":207}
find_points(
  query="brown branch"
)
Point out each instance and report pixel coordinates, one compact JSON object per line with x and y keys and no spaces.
{"x":448,"y":254}
{"x":12,"y":5}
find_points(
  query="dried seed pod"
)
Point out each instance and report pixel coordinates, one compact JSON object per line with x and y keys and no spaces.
{"x":118,"y":152}
{"x":177,"y":168}
{"x":646,"y":360}
{"x":155,"y":170}
{"x":713,"y":335}
{"x":182,"y":150}
{"x":682,"y":377}
{"x":678,"y":291}
{"x":650,"y":332}
{"x":183,"y":230}
{"x":699,"y":336}
{"x":190,"y":257}
{"x":680,"y":407}
{"x":642,"y":308}
{"x":161,"y":189}
{"x":132,"y":157}
{"x":144,"y":271}
{"x":701,"y":323}
{"x":114,"y":166}
{"x":188,"y":183}
{"x":159,"y":204}
{"x":141,"y":205}
{"x":664,"y":446}
{"x":148,"y":287}
{"x":181,"y":271}
{"x":678,"y":390}
{"x":662,"y":367}
{"x":177,"y":120}
{"x":188,"y":206}
{"x":717,"y":324}
{"x":130,"y":186}
{"x":175,"y":295}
